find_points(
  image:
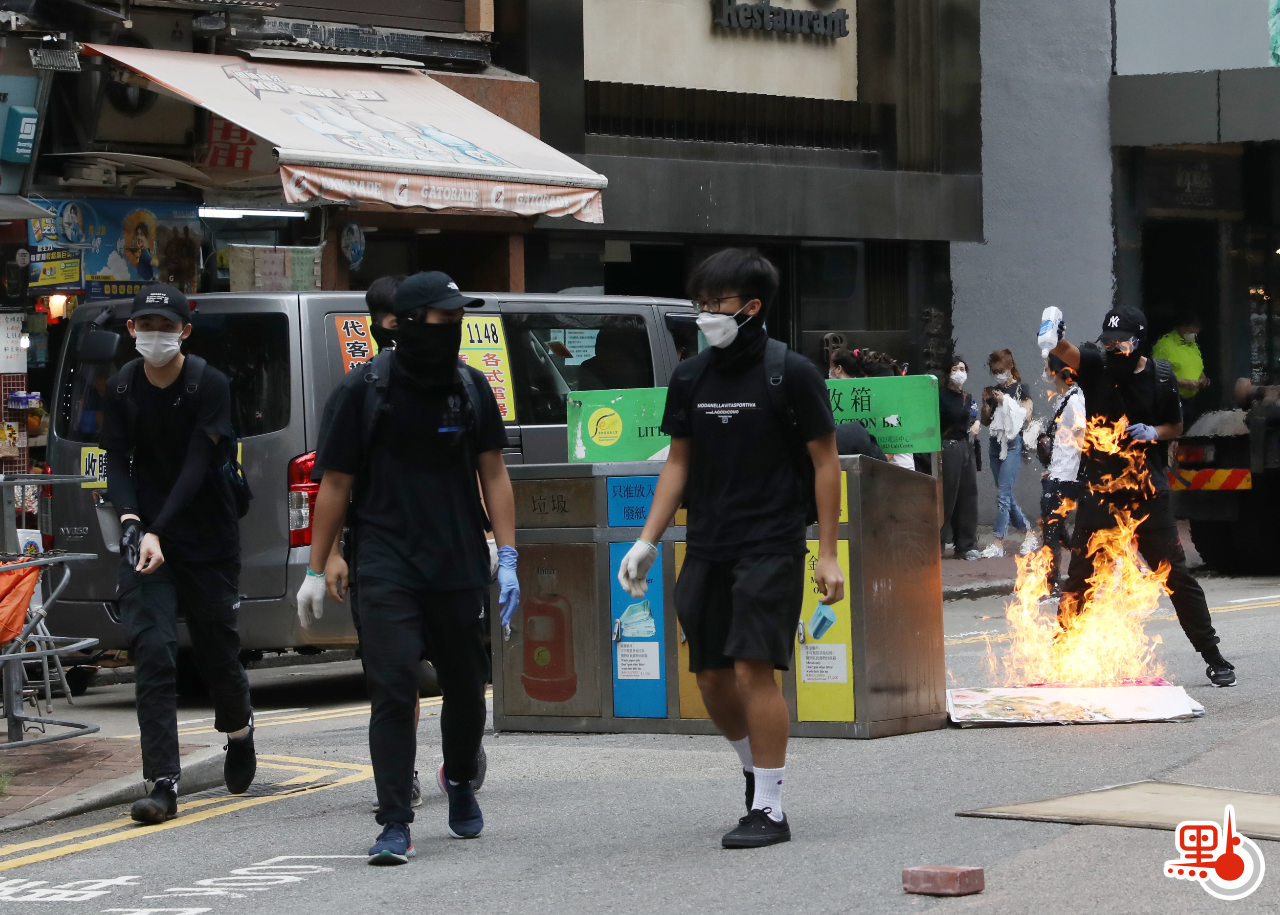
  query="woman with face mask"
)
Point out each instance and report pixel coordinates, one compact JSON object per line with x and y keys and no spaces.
{"x":959,"y":468}
{"x":1006,"y":410}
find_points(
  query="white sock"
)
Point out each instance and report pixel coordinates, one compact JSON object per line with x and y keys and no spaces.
{"x":743,"y":749}
{"x":243,"y":732}
{"x":769,"y":791}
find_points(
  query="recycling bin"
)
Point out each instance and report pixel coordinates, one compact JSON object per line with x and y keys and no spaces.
{"x":582,"y":655}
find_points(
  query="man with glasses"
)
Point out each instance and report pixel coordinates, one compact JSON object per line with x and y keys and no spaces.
{"x":1118,"y":381}
{"x":407,"y":439}
{"x":753,"y":451}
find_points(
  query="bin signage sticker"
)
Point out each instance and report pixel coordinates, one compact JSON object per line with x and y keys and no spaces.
{"x":485,"y":348}
{"x":629,"y":499}
{"x":902,"y":413}
{"x":637,"y":634}
{"x":93,"y":463}
{"x":622,"y":425}
{"x":824,"y":649}
{"x":355,"y":343}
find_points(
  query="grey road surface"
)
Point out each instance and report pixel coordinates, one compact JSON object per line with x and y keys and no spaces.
{"x":632,"y":824}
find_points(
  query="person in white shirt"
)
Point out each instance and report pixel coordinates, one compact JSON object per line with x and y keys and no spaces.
{"x":1064,"y":439}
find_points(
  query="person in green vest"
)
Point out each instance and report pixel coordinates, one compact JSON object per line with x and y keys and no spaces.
{"x":1179,"y":346}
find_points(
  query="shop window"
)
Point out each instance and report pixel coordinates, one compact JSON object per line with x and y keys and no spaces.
{"x":553,"y":355}
{"x":668,"y":113}
{"x":252,"y":350}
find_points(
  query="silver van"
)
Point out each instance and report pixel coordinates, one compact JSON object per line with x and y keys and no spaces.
{"x":284,"y":353}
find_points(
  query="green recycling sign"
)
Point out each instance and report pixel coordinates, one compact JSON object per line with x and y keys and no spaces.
{"x":624,"y":425}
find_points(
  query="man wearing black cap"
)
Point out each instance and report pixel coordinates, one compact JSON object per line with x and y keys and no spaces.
{"x":408,"y":437}
{"x":165,"y":416}
{"x":1118,"y":381}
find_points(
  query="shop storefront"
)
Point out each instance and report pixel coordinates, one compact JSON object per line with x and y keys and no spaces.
{"x":842,"y":139}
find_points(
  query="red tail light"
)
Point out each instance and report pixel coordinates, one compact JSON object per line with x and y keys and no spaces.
{"x":46,"y":490}
{"x":302,"y":499}
{"x":1196,"y":454}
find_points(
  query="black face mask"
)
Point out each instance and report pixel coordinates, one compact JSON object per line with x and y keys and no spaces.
{"x":382,"y":336}
{"x":428,"y":353}
{"x":1121,"y":366}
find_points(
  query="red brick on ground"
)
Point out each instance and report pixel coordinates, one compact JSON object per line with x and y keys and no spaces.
{"x":943,"y":880}
{"x":49,"y":771}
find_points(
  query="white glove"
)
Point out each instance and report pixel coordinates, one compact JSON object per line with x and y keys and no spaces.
{"x":1051,"y":329}
{"x":311,"y":599}
{"x":635,"y":567}
{"x":493,"y":558}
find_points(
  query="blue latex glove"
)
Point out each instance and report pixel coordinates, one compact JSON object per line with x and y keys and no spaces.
{"x":508,"y":583}
{"x":1142,"y":432}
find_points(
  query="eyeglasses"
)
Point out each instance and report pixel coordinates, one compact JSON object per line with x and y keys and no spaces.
{"x":705,"y":305}
{"x":1123,"y":347}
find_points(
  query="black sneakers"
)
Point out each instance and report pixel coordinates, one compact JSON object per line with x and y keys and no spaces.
{"x":1220,"y":672}
{"x":241,"y":764}
{"x":751,"y":787}
{"x":756,"y":830}
{"x":160,"y":805}
{"x":465,"y":818}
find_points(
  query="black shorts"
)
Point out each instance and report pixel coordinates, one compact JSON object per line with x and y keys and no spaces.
{"x":741,"y":608}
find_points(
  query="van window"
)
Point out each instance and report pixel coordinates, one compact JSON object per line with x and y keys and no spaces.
{"x":251,"y":349}
{"x":552,"y":355}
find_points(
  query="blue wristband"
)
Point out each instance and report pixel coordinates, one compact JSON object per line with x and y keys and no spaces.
{"x":315,"y":574}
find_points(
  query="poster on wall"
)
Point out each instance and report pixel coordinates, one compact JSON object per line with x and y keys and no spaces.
{"x":116,"y":246}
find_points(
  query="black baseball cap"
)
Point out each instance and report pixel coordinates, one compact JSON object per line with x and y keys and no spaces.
{"x":432,"y":289}
{"x":1123,"y":324}
{"x":162,"y":300}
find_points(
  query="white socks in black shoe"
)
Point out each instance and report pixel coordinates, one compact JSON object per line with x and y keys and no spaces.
{"x":743,"y":749}
{"x":769,"y":791}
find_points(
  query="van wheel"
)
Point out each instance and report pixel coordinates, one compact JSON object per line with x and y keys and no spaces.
{"x":188,"y":682}
{"x":1215,"y":542}
{"x":79,"y":679}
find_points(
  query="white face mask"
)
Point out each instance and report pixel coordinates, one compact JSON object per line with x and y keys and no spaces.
{"x":1002,"y":378}
{"x":158,"y":349}
{"x":720,"y":330}
{"x":1188,"y":338}
{"x":958,"y":378}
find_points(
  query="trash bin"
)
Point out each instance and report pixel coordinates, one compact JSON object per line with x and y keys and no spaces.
{"x":584,"y":656}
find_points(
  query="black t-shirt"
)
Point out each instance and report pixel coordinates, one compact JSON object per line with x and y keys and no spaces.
{"x":207,"y":528}
{"x":1135,"y":398}
{"x":416,"y":500}
{"x":953,"y":412}
{"x":744,"y":492}
{"x":853,"y":438}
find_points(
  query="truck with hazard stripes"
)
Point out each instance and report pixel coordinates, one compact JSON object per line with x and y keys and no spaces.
{"x":1225,"y":480}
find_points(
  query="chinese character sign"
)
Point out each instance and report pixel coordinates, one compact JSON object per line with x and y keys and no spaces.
{"x":485,"y":348}
{"x":93,"y":463}
{"x":13,"y":358}
{"x":902,"y":412}
{"x":355,"y":343}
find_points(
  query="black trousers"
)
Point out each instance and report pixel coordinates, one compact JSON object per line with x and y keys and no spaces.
{"x":959,"y":495}
{"x":207,"y":595}
{"x":1053,"y":520}
{"x":397,"y":625}
{"x":1157,"y":542}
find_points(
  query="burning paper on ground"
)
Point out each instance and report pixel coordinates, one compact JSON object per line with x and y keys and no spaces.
{"x":1094,"y":662}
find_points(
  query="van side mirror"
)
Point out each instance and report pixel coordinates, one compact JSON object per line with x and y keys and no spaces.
{"x":98,"y":345}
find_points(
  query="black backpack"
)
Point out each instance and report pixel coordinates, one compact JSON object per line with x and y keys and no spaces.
{"x":228,"y":445}
{"x":377,"y":378}
{"x":1045,"y":440}
{"x":775,"y":371}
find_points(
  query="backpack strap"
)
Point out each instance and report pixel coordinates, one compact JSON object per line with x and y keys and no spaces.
{"x":473,"y":394}
{"x":128,"y":378}
{"x":195,"y":373}
{"x":377,"y":378}
{"x":775,"y":373}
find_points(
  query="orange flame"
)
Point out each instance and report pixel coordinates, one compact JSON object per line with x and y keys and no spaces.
{"x":1103,"y":641}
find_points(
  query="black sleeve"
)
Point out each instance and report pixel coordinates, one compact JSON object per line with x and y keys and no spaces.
{"x":807,"y":391}
{"x":195,"y":468}
{"x":214,"y":415}
{"x":115,"y":439}
{"x":326,"y":420}
{"x":853,"y":438}
{"x":676,"y":421}
{"x":491,"y":434}
{"x":1093,"y":362}
{"x":343,"y":444}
